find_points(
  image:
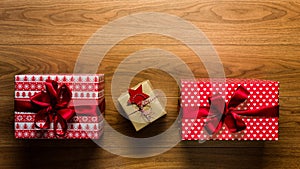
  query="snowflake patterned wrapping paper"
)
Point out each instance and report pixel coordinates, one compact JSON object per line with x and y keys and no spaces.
{"x":66,"y":106}
{"x":249,"y":111}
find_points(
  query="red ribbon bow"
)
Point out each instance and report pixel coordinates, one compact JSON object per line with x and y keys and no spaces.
{"x":53,"y":104}
{"x":220,"y":112}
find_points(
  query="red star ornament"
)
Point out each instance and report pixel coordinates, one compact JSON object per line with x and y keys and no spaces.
{"x":137,"y":96}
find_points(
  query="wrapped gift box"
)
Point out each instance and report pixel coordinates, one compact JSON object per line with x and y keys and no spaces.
{"x":249,"y":110}
{"x":151,"y":110}
{"x":82,"y":96}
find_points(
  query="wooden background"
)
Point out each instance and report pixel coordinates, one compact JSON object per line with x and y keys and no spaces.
{"x":254,"y":39}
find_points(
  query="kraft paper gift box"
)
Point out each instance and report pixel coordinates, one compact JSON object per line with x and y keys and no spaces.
{"x":59,"y":106}
{"x":141,"y":105}
{"x":239,"y":109}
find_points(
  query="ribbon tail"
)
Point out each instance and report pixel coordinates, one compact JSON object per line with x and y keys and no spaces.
{"x":42,"y":116}
{"x":41,"y":99}
{"x":213,"y":125}
{"x":234,"y":122}
{"x":239,"y":96}
{"x":61,"y":118}
{"x":146,"y":114}
{"x":63,"y":123}
{"x":215,"y":116}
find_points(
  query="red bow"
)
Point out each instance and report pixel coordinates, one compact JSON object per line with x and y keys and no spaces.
{"x":220,"y":112}
{"x":53,"y":104}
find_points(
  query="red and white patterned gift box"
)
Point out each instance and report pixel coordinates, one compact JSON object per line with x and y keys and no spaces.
{"x":85,"y":106}
{"x":249,"y":110}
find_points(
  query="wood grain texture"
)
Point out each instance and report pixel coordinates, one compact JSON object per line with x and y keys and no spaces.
{"x":254,"y":39}
{"x":224,"y":22}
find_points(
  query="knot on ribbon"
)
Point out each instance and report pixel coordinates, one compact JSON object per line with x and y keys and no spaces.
{"x":221,"y":112}
{"x":53,"y":107}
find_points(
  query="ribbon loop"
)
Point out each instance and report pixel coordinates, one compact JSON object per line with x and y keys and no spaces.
{"x":41,"y":100}
{"x":238,"y":97}
{"x":54,"y":107}
{"x":51,"y":87}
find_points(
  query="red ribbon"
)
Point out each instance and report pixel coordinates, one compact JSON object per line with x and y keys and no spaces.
{"x":220,"y":112}
{"x":53,"y":105}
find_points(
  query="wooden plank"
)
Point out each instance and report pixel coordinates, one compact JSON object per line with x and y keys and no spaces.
{"x":34,"y":157}
{"x":224,"y":22}
{"x":280,"y":63}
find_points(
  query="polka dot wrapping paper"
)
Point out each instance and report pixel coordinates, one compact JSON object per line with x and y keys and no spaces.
{"x":262,"y":96}
{"x":84,"y":89}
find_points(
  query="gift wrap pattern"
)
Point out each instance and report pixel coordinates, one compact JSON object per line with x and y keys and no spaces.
{"x":84,"y":88}
{"x":196,"y":93}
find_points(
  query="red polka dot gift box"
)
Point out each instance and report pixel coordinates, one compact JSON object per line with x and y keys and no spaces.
{"x":67,"y":106}
{"x":232,"y":109}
